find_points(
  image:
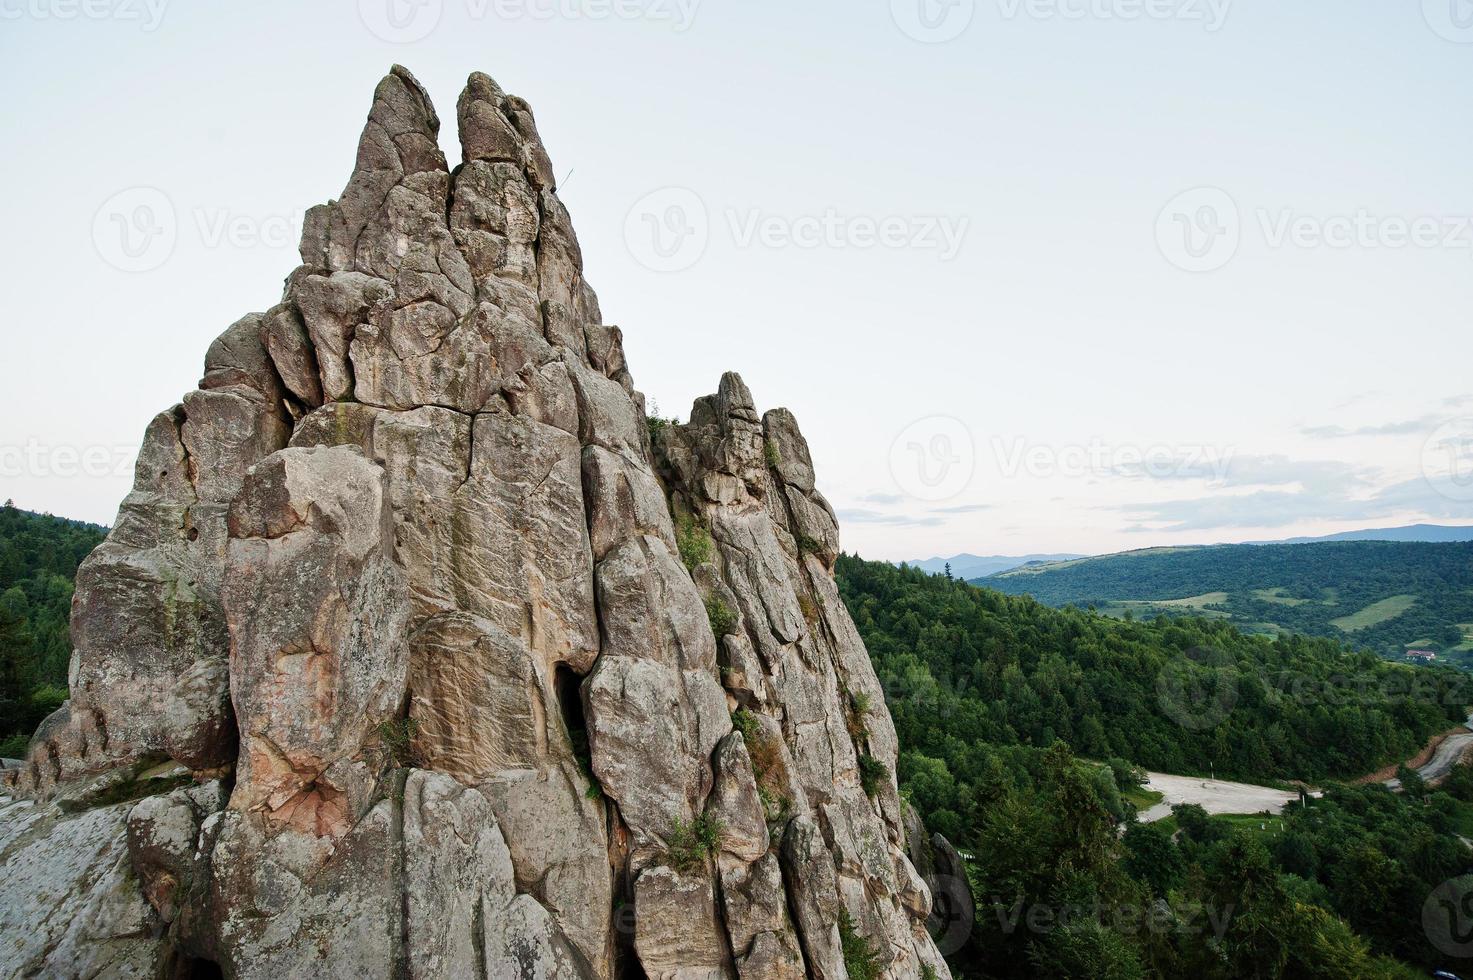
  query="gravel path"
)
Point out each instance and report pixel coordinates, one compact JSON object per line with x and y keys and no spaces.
{"x":1213,"y":795}
{"x":1220,"y":796}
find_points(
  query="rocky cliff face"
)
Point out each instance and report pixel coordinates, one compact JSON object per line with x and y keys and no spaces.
{"x":417,"y":650}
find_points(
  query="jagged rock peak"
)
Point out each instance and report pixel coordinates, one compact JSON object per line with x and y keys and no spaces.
{"x":418,"y":650}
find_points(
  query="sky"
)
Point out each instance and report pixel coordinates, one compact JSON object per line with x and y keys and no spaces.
{"x":1034,"y":275}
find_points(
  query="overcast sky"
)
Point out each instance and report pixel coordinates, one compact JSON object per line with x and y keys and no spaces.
{"x":1034,"y":275}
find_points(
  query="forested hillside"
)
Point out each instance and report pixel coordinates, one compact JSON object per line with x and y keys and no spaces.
{"x":1383,"y":596}
{"x":996,"y":698}
{"x":39,"y":555}
{"x":1008,"y":670}
{"x":999,"y":699}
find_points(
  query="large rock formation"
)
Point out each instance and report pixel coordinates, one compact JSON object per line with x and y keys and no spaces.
{"x":418,"y":650}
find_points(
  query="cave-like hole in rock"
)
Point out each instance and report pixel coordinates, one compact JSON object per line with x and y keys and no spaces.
{"x":570,"y":705}
{"x":191,"y":968}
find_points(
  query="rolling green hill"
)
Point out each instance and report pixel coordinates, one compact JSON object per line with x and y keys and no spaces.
{"x":1383,"y":596}
{"x":995,"y":700}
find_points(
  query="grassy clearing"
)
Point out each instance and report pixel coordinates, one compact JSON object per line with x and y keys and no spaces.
{"x":1255,"y":824}
{"x":1264,"y":629}
{"x":1142,"y":798}
{"x":1375,"y":613}
{"x":1194,"y":602}
{"x":1277,"y":597}
{"x":1148,"y":608}
{"x":1467,"y":645}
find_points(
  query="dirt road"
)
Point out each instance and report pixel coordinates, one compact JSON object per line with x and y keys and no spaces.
{"x":1442,"y":761}
{"x":1213,"y":795}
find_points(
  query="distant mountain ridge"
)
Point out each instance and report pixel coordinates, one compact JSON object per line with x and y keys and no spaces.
{"x":969,"y":566}
{"x":1426,"y":533}
{"x":980,"y":566}
{"x":1387,"y":596}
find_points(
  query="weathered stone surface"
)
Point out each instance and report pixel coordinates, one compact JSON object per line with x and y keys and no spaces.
{"x":69,"y":902}
{"x":677,"y":934}
{"x":798,"y":666}
{"x":407,"y":563}
{"x":953,"y":907}
{"x":286,"y":339}
{"x":164,"y":846}
{"x":464,"y":917}
{"x":734,"y":802}
{"x":643,"y":748}
{"x":318,"y":614}
{"x":756,"y":915}
{"x":289,"y":903}
{"x":813,"y":894}
{"x":331,"y":309}
{"x":556,"y":832}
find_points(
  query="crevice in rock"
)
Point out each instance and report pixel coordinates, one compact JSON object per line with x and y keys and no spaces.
{"x":478,"y":936}
{"x":400,"y":921}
